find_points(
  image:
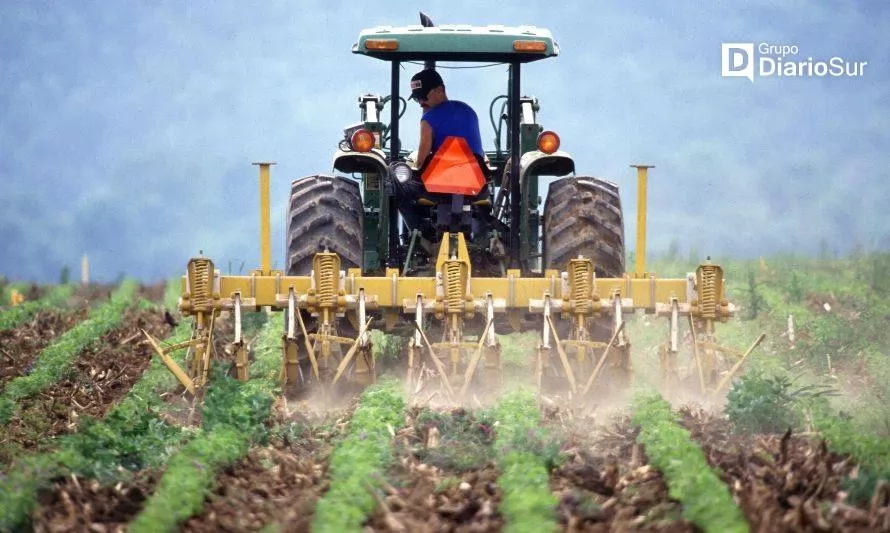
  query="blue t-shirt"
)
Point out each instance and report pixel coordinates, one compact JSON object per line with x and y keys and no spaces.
{"x":453,"y":118}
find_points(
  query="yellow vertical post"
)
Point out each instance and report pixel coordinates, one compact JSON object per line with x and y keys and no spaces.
{"x":265,"y":238}
{"x":642,"y":171}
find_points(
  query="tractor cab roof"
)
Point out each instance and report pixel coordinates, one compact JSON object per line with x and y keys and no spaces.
{"x":501,"y":44}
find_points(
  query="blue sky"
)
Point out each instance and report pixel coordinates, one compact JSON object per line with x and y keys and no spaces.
{"x":127,"y":129}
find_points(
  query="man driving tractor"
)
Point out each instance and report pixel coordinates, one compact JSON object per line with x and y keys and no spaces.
{"x":442,"y":118}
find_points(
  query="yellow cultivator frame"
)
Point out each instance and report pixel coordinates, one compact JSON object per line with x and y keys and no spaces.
{"x":452,"y":297}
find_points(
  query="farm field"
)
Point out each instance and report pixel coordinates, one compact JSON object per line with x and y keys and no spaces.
{"x":97,"y":435}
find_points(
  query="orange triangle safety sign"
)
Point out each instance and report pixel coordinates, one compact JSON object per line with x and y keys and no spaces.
{"x":454,"y":169}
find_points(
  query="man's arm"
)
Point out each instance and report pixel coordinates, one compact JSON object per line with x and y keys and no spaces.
{"x":426,"y":142}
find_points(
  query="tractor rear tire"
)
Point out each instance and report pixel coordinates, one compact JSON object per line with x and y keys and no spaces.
{"x":325,"y":213}
{"x":582,"y":216}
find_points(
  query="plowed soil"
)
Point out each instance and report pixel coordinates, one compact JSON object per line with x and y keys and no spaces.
{"x":76,"y":504}
{"x":786,"y":483}
{"x":278,"y":484}
{"x":782,"y":483}
{"x":20,"y":346}
{"x":100,"y":376}
{"x":443,"y":482}
{"x":606,"y":484}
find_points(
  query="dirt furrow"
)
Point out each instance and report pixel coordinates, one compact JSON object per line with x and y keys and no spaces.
{"x":20,"y":346}
{"x":604,"y":483}
{"x":277,"y":484}
{"x":78,"y":504}
{"x":443,"y":478}
{"x":788,"y":482}
{"x":100,"y":376}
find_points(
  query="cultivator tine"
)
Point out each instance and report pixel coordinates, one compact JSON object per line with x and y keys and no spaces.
{"x":310,"y":350}
{"x":474,"y":361}
{"x":543,"y":346}
{"x":351,"y":353}
{"x":241,"y":362}
{"x":202,"y":338}
{"x":602,"y":360}
{"x":493,"y":347}
{"x":696,"y":356}
{"x":440,"y":368}
{"x":415,"y":345}
{"x":170,"y":363}
{"x":570,"y":375}
{"x":675,"y":326}
{"x":738,"y":364}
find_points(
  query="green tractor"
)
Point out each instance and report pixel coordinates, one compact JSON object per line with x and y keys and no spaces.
{"x":359,"y":219}
{"x":464,"y":265}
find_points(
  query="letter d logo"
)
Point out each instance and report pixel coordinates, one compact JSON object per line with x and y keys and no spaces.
{"x":737,"y":60}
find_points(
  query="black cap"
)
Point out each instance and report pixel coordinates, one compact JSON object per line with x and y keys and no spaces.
{"x":423,"y":82}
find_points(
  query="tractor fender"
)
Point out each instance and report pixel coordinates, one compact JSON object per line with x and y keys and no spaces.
{"x":350,"y":162}
{"x":535,"y":162}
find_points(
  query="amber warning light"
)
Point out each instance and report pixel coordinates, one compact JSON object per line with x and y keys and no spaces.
{"x":362,"y":141}
{"x":548,"y":142}
{"x":381,"y":44}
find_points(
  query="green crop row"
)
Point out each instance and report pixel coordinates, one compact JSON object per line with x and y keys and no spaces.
{"x":130,"y":437}
{"x":359,"y":458}
{"x":525,"y":455}
{"x":707,"y":502}
{"x":189,"y":479}
{"x":871,"y":451}
{"x":233,"y":417}
{"x":56,"y":359}
{"x":15,"y":316}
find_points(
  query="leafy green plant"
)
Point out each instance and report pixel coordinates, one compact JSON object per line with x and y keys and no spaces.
{"x":517,"y":349}
{"x":871,"y":451}
{"x":769,"y":404}
{"x":19,"y":486}
{"x":707,"y":502}
{"x":527,"y":505}
{"x":359,"y":458}
{"x":386,"y":347}
{"x":756,"y":303}
{"x":189,"y":479}
{"x":288,"y":433}
{"x":795,"y":288}
{"x":465,"y":440}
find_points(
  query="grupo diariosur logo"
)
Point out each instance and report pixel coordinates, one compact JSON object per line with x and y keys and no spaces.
{"x":738,"y":60}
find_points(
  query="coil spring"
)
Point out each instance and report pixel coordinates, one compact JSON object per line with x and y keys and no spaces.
{"x":707,"y":292}
{"x":201,"y":284}
{"x":454,"y":291}
{"x":581,"y":286}
{"x":325,"y":281}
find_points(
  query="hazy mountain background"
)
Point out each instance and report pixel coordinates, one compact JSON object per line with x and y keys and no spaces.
{"x":127,"y":129}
